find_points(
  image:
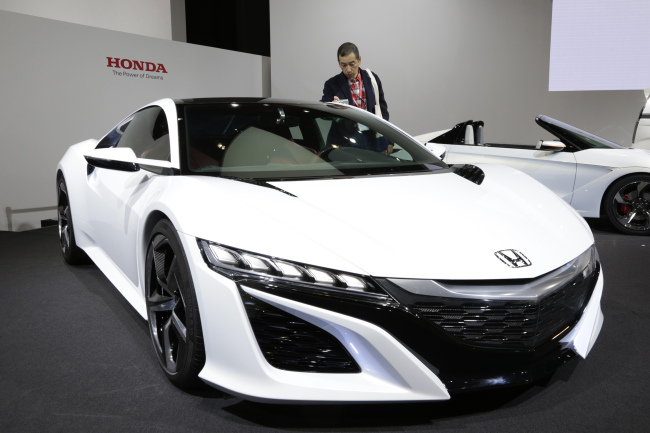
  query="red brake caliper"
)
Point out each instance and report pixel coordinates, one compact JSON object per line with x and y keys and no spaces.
{"x":625,"y":208}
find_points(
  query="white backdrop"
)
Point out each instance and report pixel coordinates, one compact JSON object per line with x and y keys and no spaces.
{"x":57,"y":90}
{"x":600,"y":45}
{"x":141,"y":17}
{"x":442,"y":62}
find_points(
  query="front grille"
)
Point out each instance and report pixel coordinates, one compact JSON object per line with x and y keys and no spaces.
{"x":512,"y":324}
{"x":290,"y":343}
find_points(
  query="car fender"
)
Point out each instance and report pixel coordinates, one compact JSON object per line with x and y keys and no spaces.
{"x":593,"y":184}
{"x":598,"y":169}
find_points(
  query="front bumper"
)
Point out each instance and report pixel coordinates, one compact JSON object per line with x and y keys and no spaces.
{"x":401,"y":357}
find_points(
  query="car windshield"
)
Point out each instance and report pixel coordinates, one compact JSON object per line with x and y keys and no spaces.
{"x":274,"y":141}
{"x":577,"y":137}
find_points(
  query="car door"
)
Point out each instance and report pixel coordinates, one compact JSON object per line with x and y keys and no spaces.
{"x":556,"y":170}
{"x":117,"y":197}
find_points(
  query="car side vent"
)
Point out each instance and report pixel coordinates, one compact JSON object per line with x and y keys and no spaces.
{"x":469,"y":172}
{"x":290,"y":343}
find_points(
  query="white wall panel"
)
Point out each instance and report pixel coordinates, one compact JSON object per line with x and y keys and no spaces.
{"x":442,"y":62}
{"x":600,"y":45}
{"x":58,"y":90}
{"x":141,"y":17}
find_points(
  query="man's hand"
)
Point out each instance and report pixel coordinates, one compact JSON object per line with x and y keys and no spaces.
{"x":336,"y":98}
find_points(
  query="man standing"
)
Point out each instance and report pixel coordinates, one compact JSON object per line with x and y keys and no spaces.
{"x":354,"y":84}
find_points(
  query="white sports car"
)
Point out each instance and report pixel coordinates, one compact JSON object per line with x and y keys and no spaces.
{"x":597,"y":177}
{"x":280,"y":254}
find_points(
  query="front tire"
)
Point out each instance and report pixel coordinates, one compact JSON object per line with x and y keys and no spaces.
{"x":627,"y":204}
{"x":72,"y":254}
{"x":172,"y":308}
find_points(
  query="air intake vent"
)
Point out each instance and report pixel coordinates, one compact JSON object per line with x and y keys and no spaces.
{"x":290,"y":343}
{"x":469,"y":172}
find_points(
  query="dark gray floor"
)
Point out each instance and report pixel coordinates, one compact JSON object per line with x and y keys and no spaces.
{"x":76,"y":357}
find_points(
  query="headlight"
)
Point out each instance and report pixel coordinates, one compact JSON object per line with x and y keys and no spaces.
{"x":242,"y":265}
{"x":591,"y":257}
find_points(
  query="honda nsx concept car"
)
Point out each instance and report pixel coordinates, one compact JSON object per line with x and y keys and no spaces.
{"x":280,"y":252}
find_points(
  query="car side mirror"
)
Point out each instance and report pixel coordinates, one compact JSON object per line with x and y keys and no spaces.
{"x":113,"y":158}
{"x":550,"y":145}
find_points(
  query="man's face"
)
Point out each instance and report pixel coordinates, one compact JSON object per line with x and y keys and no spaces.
{"x":350,"y":65}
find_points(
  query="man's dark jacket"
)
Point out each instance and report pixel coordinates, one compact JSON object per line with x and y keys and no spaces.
{"x":338,"y":86}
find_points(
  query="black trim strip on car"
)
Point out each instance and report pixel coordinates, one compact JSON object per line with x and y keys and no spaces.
{"x":258,"y":183}
{"x":112,"y":164}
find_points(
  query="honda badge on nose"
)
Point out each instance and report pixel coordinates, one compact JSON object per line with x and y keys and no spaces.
{"x":513,"y":258}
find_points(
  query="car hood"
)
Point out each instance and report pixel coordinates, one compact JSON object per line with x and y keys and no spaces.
{"x":429,"y":226}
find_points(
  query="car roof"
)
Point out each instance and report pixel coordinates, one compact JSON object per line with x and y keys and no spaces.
{"x":243,"y":100}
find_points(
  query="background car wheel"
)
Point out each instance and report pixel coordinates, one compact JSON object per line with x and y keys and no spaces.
{"x":72,"y":254}
{"x":172,"y":309}
{"x":627,"y":204}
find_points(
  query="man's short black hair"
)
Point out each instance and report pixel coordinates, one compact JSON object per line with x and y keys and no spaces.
{"x":346,"y":49}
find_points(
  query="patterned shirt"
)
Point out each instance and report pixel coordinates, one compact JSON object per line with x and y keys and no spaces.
{"x":358,"y":92}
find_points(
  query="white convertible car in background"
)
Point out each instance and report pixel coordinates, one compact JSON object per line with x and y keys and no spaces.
{"x":279,"y":254}
{"x":597,"y":177}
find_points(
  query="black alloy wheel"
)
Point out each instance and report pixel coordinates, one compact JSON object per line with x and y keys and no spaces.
{"x":172,"y":309}
{"x":72,"y":254}
{"x":627,"y":204}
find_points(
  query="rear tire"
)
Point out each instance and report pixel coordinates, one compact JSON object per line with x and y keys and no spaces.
{"x":172,"y":308}
{"x":72,"y":254}
{"x":627,"y":204}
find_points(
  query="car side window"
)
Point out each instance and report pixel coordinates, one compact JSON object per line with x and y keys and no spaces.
{"x":113,"y":137}
{"x":148,"y":134}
